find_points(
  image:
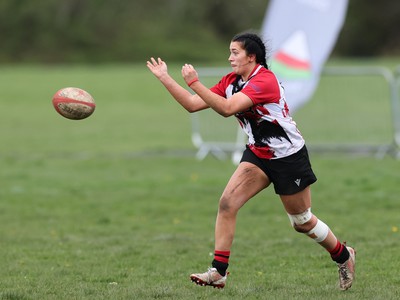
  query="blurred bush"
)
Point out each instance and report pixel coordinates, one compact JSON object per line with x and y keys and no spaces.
{"x":63,"y":31}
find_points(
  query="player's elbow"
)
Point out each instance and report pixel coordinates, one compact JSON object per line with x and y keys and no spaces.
{"x":193,"y":108}
{"x":226,"y":112}
{"x":190,"y":109}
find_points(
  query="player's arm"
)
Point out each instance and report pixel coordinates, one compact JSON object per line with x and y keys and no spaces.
{"x":224,"y":106}
{"x":190,"y":102}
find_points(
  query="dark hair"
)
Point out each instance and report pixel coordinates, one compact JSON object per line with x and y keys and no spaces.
{"x":253,"y":44}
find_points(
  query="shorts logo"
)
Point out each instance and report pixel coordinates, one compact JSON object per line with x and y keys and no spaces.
{"x":297,"y":181}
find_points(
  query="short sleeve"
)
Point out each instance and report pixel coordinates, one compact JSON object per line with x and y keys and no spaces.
{"x":221,"y":87}
{"x":263,"y":88}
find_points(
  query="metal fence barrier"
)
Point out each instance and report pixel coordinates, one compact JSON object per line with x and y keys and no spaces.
{"x":235,"y":142}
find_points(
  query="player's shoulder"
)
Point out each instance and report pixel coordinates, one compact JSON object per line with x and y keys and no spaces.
{"x":230,"y":77}
{"x":267,"y":73}
{"x":266,"y":77}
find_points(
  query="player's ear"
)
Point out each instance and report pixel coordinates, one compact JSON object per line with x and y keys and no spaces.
{"x":252,"y":57}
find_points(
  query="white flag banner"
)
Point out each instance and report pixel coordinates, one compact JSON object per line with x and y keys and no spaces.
{"x":301,"y":35}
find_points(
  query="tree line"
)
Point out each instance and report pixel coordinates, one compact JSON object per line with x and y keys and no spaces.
{"x":62,"y":31}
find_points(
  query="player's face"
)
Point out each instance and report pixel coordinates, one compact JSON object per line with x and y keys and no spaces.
{"x":241,"y":63}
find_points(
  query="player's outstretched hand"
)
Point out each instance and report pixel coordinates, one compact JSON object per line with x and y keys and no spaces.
{"x":157,"y":67}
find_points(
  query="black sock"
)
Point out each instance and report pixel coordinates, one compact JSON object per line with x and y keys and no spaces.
{"x":343,"y":256}
{"x":220,"y":266}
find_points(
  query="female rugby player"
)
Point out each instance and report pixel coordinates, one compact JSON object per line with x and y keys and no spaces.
{"x":275,"y":152}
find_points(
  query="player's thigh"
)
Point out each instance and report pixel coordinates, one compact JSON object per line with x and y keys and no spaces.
{"x":297,"y":203}
{"x":245,"y":182}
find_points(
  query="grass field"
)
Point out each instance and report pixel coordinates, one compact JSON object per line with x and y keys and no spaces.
{"x":117,"y":207}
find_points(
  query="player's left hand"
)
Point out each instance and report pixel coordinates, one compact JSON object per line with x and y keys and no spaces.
{"x":189,"y":73}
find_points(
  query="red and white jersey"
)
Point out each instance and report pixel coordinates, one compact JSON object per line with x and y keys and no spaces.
{"x":271,"y":130}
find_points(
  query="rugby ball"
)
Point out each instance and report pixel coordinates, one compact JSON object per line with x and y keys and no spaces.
{"x":74,"y":103}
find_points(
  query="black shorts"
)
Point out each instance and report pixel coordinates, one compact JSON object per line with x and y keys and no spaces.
{"x":289,"y":175}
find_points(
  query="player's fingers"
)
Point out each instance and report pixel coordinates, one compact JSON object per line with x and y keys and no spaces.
{"x":153,"y":61}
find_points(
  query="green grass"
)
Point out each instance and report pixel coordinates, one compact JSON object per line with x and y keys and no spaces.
{"x":117,"y":207}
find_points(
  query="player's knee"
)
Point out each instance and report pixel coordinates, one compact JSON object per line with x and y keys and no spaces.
{"x":302,"y":222}
{"x":225,"y":205}
{"x":310,"y":225}
{"x":306,"y":227}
